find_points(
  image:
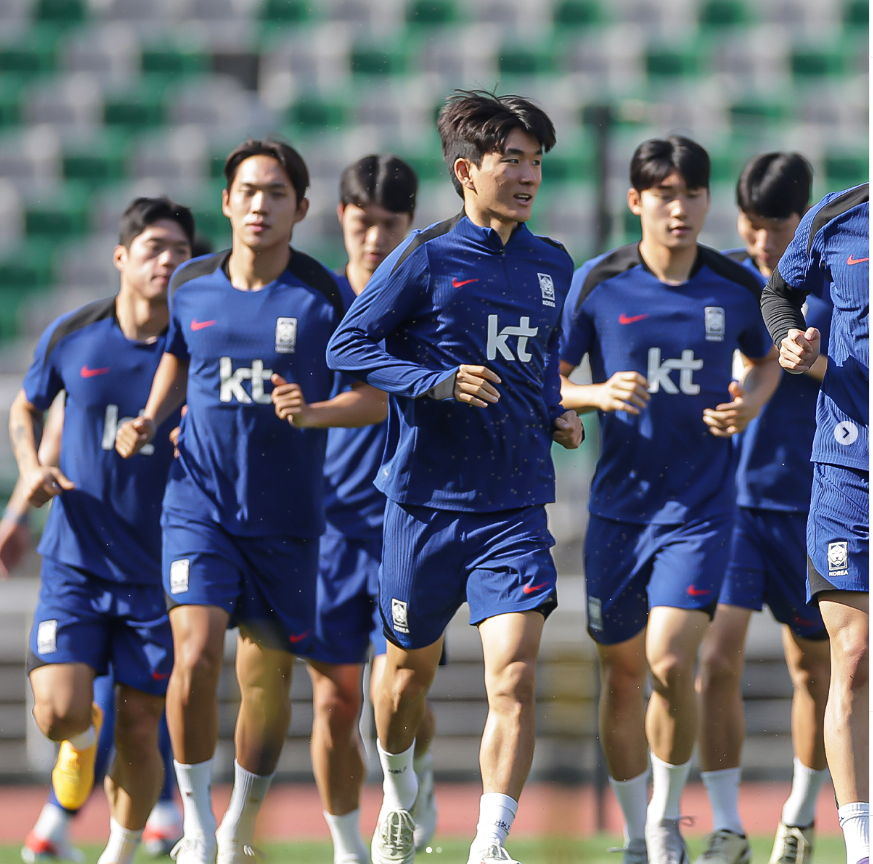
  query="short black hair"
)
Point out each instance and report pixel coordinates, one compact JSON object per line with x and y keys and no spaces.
{"x":656,"y":159}
{"x":142,"y":212}
{"x":384,"y":180}
{"x":475,"y":122}
{"x":775,"y":185}
{"x":291,"y":161}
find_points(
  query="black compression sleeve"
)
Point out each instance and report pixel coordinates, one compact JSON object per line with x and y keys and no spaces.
{"x":781,"y":306}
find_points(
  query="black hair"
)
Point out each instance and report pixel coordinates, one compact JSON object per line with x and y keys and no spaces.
{"x":775,"y":185}
{"x":383,"y":180}
{"x":291,"y":161}
{"x":475,"y":122}
{"x":142,"y":212}
{"x":656,"y":159}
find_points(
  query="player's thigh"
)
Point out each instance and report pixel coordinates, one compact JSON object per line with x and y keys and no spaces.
{"x":847,"y":618}
{"x":623,"y":665}
{"x":746,"y":573}
{"x":723,"y":650}
{"x":808,"y":660}
{"x":198,"y":638}
{"x":618,"y":565}
{"x":673,"y":638}
{"x":510,"y":644}
{"x":137,"y":723}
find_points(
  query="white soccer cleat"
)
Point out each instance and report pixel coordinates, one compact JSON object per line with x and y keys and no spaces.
{"x":38,"y":849}
{"x":793,"y":845}
{"x":231,"y":852}
{"x":424,"y":811}
{"x":394,"y":839}
{"x":634,"y":853}
{"x":492,"y":853}
{"x":665,"y":843}
{"x":194,"y":850}
{"x":725,"y":847}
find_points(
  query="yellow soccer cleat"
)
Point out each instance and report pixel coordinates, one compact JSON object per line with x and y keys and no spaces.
{"x":73,"y":774}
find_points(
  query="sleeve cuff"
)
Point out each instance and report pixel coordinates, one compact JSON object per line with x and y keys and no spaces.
{"x":443,"y":390}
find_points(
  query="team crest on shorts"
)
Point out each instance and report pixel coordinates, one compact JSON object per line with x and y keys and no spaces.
{"x":838,"y":558}
{"x":547,"y":287}
{"x":286,"y":335}
{"x":179,"y":571}
{"x":47,"y":637}
{"x":595,"y":613}
{"x":714,"y":321}
{"x":400,"y":615}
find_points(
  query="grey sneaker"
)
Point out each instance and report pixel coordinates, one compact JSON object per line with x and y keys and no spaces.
{"x":634,"y":852}
{"x":665,"y":844}
{"x":424,"y":811}
{"x":793,"y":845}
{"x":393,"y":841}
{"x":194,"y":850}
{"x":726,"y":847}
{"x":494,"y":852}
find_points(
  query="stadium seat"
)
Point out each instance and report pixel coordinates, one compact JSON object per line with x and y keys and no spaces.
{"x":718,"y":14}
{"x":516,"y":59}
{"x":844,"y":170}
{"x":11,"y":87}
{"x":376,"y":60}
{"x":32,"y":54}
{"x":427,"y":163}
{"x":285,"y":11}
{"x":166,"y":60}
{"x":28,"y":267}
{"x":61,"y":11}
{"x":59,"y":216}
{"x":97,"y":162}
{"x":431,"y":13}
{"x":757,"y":114}
{"x":856,"y":15}
{"x":313,"y":113}
{"x":816,"y":63}
{"x":138,"y":108}
{"x":68,"y":102}
{"x":110,"y":51}
{"x":673,"y":62}
{"x":577,"y":13}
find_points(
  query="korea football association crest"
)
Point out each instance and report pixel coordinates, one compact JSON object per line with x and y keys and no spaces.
{"x":286,"y":335}
{"x":714,"y":321}
{"x":400,"y":615}
{"x":838,"y":558}
{"x":547,"y":289}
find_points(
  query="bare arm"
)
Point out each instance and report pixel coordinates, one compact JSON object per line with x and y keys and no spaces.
{"x":818,"y":369}
{"x":624,"y":391}
{"x":362,"y":405}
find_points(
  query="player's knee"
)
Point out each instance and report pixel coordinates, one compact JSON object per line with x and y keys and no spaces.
{"x":671,"y":672}
{"x":197,"y":662}
{"x":812,"y":675}
{"x":852,"y":664}
{"x":719,"y":670}
{"x":59,"y":722}
{"x":515,"y":684}
{"x":338,"y":708}
{"x":623,"y":679}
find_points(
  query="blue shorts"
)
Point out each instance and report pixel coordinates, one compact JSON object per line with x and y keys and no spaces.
{"x":81,"y":618}
{"x":347,"y":617}
{"x":266,"y":584}
{"x":434,"y":560}
{"x":768,"y":565}
{"x":631,"y":568}
{"x":838,"y":530}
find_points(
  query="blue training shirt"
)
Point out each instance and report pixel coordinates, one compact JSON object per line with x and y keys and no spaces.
{"x":352,"y":503}
{"x":109,"y":524}
{"x":775,"y":472}
{"x":239,"y":464}
{"x":830,"y":252}
{"x":449,"y":295}
{"x":663,"y":466}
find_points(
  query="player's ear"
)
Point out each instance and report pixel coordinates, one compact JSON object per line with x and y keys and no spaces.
{"x":462,"y":172}
{"x":340,"y":209}
{"x":633,"y":201}
{"x":119,"y":257}
{"x":302,"y":210}
{"x":225,"y":203}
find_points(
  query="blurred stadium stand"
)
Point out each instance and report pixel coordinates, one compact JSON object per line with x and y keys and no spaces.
{"x":103,"y":100}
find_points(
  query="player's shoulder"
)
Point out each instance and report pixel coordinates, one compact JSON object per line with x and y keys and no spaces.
{"x":416,"y":243}
{"x":77,"y":321}
{"x":313,"y":273}
{"x":834,"y":206}
{"x":730,"y":270}
{"x":345,"y":287}
{"x":553,"y":248}
{"x":740,"y":255}
{"x":602,"y":268}
{"x":196,"y":268}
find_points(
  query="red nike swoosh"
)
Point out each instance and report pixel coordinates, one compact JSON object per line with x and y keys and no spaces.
{"x":457,"y":284}
{"x":697,"y":592}
{"x":530,"y":589}
{"x":90,"y":373}
{"x":199,"y":325}
{"x":160,"y":676}
{"x":293,"y":638}
{"x":850,"y":260}
{"x":629,"y":319}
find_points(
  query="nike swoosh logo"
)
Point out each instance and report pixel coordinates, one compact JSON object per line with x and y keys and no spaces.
{"x":294,"y":638}
{"x":90,"y":373}
{"x":850,"y":260}
{"x":199,"y":325}
{"x":530,"y":589}
{"x":697,"y":592}
{"x":630,"y":319}
{"x":160,"y":676}
{"x":457,"y":284}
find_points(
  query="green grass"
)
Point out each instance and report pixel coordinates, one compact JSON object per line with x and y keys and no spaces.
{"x":453,"y":851}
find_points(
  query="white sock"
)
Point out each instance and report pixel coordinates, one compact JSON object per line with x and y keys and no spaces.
{"x":121,"y":846}
{"x":799,"y":809}
{"x":496,"y":815}
{"x":195,"y":786}
{"x":85,"y":739}
{"x":53,"y":823}
{"x":855,"y":822}
{"x":249,"y":791}
{"x":399,"y":783}
{"x":345,"y":831}
{"x":633,"y":797}
{"x":723,"y":789}
{"x":668,"y":781}
{"x":422,"y":764}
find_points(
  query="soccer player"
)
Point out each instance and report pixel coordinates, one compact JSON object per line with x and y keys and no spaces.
{"x":243,"y":507}
{"x":101,"y":600}
{"x":832,"y":245}
{"x":768,"y":553}
{"x":377,"y":203}
{"x":660,"y":321}
{"x":469,"y":313}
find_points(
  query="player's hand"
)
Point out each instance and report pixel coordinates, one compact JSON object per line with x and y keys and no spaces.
{"x":133,"y":435}
{"x":569,"y":431}
{"x":799,"y":350}
{"x":14,"y":543}
{"x":290,"y":403}
{"x":729,"y":418}
{"x":473,"y":386}
{"x":43,"y":483}
{"x":174,"y":434}
{"x":624,"y":391}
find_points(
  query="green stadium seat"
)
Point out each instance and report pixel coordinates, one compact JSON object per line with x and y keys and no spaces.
{"x":431,"y":13}
{"x":717,"y":14}
{"x":212,"y":224}
{"x":673,"y":62}
{"x":519,"y":60}
{"x":856,"y":15}
{"x":817,"y":63}
{"x":577,"y":13}
{"x":428,"y":164}
{"x":174,"y":61}
{"x":29,"y":268}
{"x":285,"y":11}
{"x":10,"y":100}
{"x":725,"y":166}
{"x":844,"y":170}
{"x":60,"y":215}
{"x":566,"y":168}
{"x":136,"y":109}
{"x":312,"y":113}
{"x":10,"y":300}
{"x":33,"y":54}
{"x":61,"y":11}
{"x":758,"y":114}
{"x":374,"y":60}
{"x":98,"y":163}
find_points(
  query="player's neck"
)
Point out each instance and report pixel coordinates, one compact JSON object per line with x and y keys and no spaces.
{"x":671,"y":266}
{"x":484,"y":218}
{"x":358,"y":277}
{"x":141,"y":319}
{"x":251,"y":270}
